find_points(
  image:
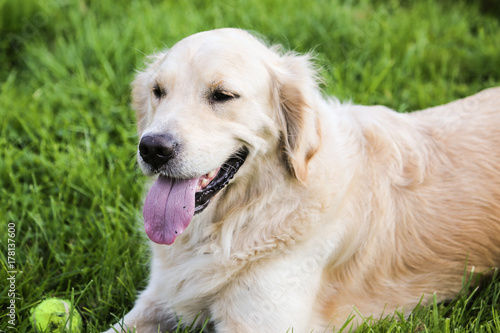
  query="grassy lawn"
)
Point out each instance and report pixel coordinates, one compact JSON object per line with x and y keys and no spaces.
{"x":69,"y":187}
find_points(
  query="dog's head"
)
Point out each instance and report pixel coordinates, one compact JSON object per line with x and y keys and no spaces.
{"x":211,"y":105}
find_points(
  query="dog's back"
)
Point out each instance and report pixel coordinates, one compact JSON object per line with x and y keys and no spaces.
{"x":461,"y":192}
{"x":435,"y":206}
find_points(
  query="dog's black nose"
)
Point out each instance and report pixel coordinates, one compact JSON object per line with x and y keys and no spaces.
{"x":157,"y":150}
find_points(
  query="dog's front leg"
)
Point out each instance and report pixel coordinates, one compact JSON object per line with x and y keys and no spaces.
{"x":146,"y":317}
{"x":273,"y":298}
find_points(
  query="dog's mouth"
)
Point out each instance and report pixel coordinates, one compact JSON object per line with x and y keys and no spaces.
{"x":171,"y":203}
{"x":210,"y":184}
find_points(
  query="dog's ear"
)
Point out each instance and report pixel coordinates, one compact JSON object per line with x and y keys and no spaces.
{"x":142,"y":89}
{"x":295,"y":94}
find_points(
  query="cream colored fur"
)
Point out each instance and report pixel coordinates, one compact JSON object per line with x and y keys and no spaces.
{"x":337,"y":206}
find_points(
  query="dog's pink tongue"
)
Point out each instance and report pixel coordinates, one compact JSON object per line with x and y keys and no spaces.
{"x":168,"y":209}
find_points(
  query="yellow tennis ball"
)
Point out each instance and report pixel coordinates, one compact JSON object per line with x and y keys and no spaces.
{"x":55,"y":315}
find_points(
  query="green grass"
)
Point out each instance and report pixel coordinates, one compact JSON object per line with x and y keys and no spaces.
{"x":68,"y":179}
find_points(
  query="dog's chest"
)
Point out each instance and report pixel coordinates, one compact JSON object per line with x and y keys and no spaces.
{"x":190,"y":282}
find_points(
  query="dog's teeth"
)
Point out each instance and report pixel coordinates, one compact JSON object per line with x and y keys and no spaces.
{"x":211,"y":174}
{"x":204,"y":182}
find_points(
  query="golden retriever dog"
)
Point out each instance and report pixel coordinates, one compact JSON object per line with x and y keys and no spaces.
{"x":276,"y":208}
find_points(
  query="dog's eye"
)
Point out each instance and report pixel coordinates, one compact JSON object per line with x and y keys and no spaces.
{"x":222,"y":96}
{"x":158,"y":91}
